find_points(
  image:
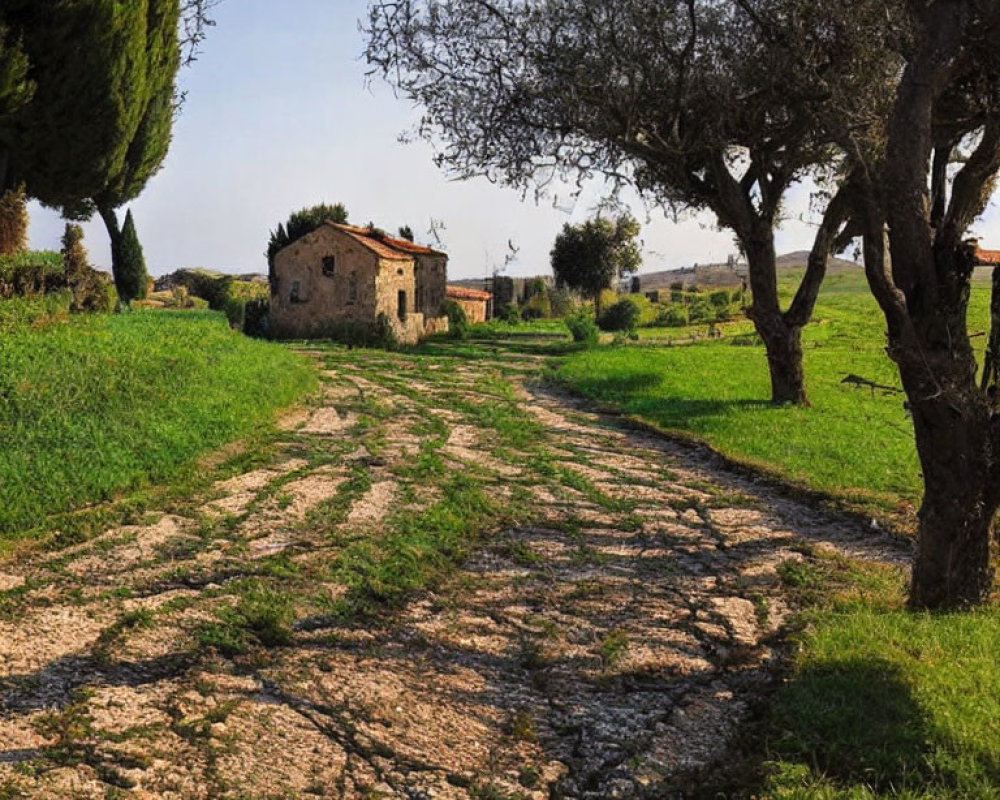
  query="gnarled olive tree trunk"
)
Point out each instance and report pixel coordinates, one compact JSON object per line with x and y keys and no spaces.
{"x":922,"y":283}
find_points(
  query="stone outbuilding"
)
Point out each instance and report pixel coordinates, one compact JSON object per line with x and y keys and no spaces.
{"x":340,"y":276}
{"x":474,"y":303}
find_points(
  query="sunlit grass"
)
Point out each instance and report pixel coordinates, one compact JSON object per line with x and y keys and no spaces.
{"x":102,"y":404}
{"x":853,"y":441}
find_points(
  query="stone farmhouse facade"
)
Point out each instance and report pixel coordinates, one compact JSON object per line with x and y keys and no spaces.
{"x":343,"y":275}
{"x":475,"y":303}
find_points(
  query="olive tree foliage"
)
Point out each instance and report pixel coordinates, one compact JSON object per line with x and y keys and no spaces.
{"x":689,"y":101}
{"x":590,"y":256}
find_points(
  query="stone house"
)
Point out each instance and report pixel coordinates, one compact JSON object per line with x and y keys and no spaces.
{"x":474,"y":303}
{"x":342,"y":275}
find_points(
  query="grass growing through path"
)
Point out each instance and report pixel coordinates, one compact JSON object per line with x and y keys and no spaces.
{"x":852,"y":442}
{"x":102,"y":404}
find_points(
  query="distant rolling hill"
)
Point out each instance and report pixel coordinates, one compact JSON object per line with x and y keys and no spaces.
{"x":708,"y":275}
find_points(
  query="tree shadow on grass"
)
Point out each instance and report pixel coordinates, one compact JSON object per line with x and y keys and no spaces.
{"x":852,"y":723}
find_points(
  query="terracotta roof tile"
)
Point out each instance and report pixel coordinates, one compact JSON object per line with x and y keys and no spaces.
{"x":988,"y":256}
{"x":461,"y":293}
{"x":385,"y":246}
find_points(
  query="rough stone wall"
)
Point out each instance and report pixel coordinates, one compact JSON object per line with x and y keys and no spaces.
{"x":323,"y":302}
{"x":323,"y":299}
{"x":431,"y":275}
{"x":475,"y":310}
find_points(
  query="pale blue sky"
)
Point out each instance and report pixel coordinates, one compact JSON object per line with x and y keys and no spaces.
{"x":278,"y":116}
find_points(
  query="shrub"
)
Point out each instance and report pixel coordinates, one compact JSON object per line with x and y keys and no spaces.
{"x":719,"y":298}
{"x":13,"y":221}
{"x":700,"y":310}
{"x":458,"y":320}
{"x":673,"y":316}
{"x":622,"y":316}
{"x":677,"y":292}
{"x":234,"y":309}
{"x":31,"y":273}
{"x":582,"y":327}
{"x":257,"y":318}
{"x":538,"y":306}
{"x":511,"y":314}
{"x":561,"y":302}
{"x":92,"y":291}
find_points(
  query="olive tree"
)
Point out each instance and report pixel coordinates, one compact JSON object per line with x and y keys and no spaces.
{"x":930,"y":167}
{"x":687,"y":100}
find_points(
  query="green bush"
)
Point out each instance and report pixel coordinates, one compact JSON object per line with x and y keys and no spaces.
{"x":31,"y":273}
{"x":561,"y":302}
{"x":510,"y":314}
{"x":622,"y":316}
{"x":700,"y":310}
{"x":673,"y":316}
{"x":719,"y":298}
{"x":234,"y":308}
{"x":458,"y":320}
{"x":582,"y":327}
{"x":257,"y":317}
{"x":538,"y":306}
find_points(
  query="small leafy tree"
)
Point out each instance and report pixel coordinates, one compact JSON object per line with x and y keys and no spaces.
{"x":590,"y":256}
{"x":301,"y":223}
{"x":622,"y":316}
{"x":132,"y":278}
{"x":582,"y":327}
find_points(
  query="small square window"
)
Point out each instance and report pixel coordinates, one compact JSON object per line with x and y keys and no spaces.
{"x":329,"y":264}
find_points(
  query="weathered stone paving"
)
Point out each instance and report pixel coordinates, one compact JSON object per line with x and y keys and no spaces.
{"x":606,"y":637}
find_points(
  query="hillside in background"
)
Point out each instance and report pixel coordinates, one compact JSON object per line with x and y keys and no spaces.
{"x":710,"y":275}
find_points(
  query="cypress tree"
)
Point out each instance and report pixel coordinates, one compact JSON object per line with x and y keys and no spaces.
{"x":97,"y":124}
{"x":131,"y":277}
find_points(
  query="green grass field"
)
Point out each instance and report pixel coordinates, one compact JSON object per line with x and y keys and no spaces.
{"x":852,"y":442}
{"x":96,"y":405}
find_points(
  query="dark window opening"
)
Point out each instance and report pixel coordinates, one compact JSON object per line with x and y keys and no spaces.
{"x":401,"y":302}
{"x":329,"y":263}
{"x":295,"y":296}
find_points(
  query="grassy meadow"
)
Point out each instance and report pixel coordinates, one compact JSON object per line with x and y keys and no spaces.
{"x":854,"y":442}
{"x":94,"y":405}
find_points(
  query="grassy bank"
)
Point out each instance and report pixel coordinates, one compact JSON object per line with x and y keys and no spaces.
{"x":95,"y":405}
{"x":882,"y":703}
{"x":855,"y":441}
